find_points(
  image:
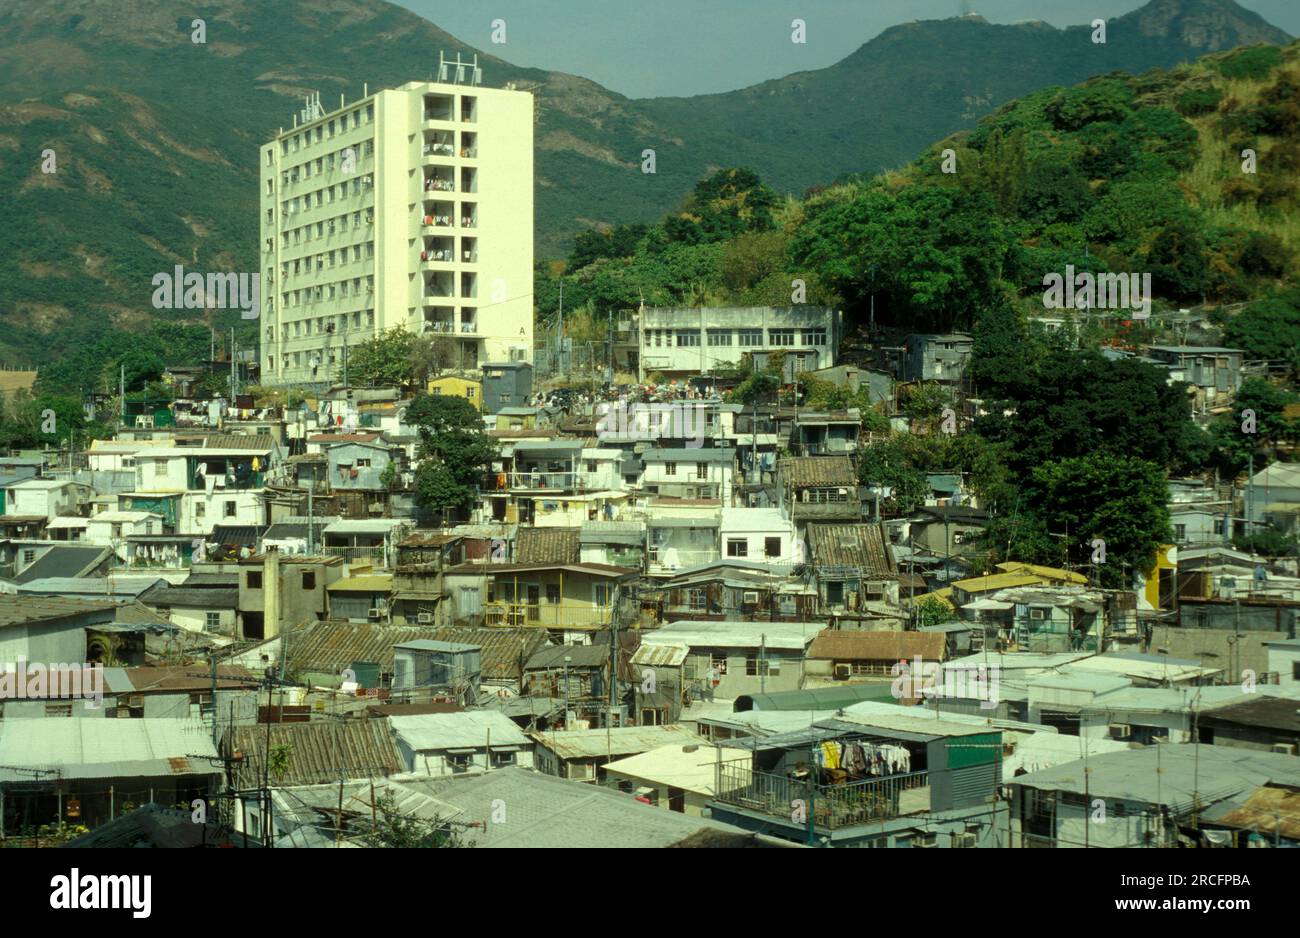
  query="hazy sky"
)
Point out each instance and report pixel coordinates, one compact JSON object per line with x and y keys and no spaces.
{"x":646,"y":48}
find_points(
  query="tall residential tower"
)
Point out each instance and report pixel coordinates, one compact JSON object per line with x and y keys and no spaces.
{"x":412,"y":207}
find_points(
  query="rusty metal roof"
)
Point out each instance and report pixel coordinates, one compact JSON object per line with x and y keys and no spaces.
{"x":548,"y":545}
{"x":332,"y":646}
{"x":801,"y":471}
{"x":316,"y":752}
{"x":853,"y":545}
{"x":877,"y":646}
{"x":504,"y":650}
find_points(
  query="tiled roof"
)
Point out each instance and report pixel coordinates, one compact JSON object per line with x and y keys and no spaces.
{"x":316,"y":752}
{"x":852,"y":545}
{"x":877,"y":646}
{"x":801,"y":471}
{"x":547,"y":545}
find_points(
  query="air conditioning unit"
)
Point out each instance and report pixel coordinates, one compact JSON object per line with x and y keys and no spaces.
{"x":373,"y":615}
{"x":842,"y":672}
{"x":1120,"y":731}
{"x":928,"y":841}
{"x":750,"y":597}
{"x":424,"y":618}
{"x":1286,"y":749}
{"x":963,"y":840}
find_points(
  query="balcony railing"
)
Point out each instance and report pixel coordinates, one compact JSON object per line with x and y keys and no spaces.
{"x":547,"y":615}
{"x":541,"y":481}
{"x":833,"y":806}
{"x":669,"y":561}
{"x":439,"y":326}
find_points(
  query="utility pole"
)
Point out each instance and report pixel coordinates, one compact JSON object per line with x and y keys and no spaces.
{"x":121,"y":393}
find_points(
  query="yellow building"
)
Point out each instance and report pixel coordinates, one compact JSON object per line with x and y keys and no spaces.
{"x":453,"y":386}
{"x":411,"y":207}
{"x":1157,"y":588}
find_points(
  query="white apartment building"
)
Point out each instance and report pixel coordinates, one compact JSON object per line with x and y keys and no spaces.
{"x":412,"y":207}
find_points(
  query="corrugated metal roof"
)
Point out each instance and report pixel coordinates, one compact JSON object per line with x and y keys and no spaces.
{"x":548,"y":545}
{"x":317,"y":752}
{"x":84,"y":748}
{"x":806,"y":471}
{"x":618,"y":740}
{"x":19,"y":610}
{"x":329,"y":647}
{"x":877,"y":646}
{"x":581,"y":656}
{"x":864,"y":546}
{"x":64,"y":562}
{"x":504,"y":651}
{"x":468,"y":729}
{"x":660,"y":656}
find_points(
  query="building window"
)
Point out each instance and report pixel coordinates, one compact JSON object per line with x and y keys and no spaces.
{"x":719,"y":336}
{"x":58,"y":710}
{"x":687,"y":339}
{"x":814,"y":337}
{"x":737,"y":547}
{"x":253,"y":580}
{"x":553,"y":593}
{"x":699,"y":599}
{"x":200,"y":510}
{"x":212,"y":621}
{"x":767,"y":667}
{"x":29,"y":556}
{"x":309,"y":579}
{"x":229,"y":511}
{"x":752,"y":337}
{"x":781,"y":338}
{"x":701,"y":470}
{"x":670,"y":468}
{"x":772,"y":546}
{"x":1180,"y":532}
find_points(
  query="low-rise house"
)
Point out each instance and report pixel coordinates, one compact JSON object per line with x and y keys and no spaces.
{"x":616,"y":543}
{"x":546,"y":808}
{"x":854,"y":567}
{"x":579,"y":674}
{"x":936,"y":357}
{"x":448,"y":669}
{"x":167,"y":761}
{"x":1213,"y":374}
{"x":820,"y":488}
{"x":465,"y":743}
{"x":820,"y":433}
{"x":582,"y":754}
{"x":456,"y":386}
{"x":761,"y":535}
{"x":856,"y":655}
{"x":1154,"y":796}
{"x":563,"y":598}
{"x":304,"y":754}
{"x":506,"y":384}
{"x":732,"y":658}
{"x":879,"y":775}
{"x":681,"y":536}
{"x":47,"y":498}
{"x":689,"y":473}
{"x":278,"y":593}
{"x":373,"y":540}
{"x":734,"y":590}
{"x":196,"y":609}
{"x":679,"y":778}
{"x":361,"y":466}
{"x":61,"y":629}
{"x":360,"y":596}
{"x":42,"y":561}
{"x":1272,"y":497}
{"x":1270,"y":724}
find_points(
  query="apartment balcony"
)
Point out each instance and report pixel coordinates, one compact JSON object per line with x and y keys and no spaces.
{"x":434,"y":186}
{"x":444,"y":328}
{"x":469,"y":153}
{"x":436,"y":221}
{"x":833,"y":806}
{"x":547,"y":615}
{"x":469,"y":328}
{"x":663,"y":562}
{"x":444,"y":256}
{"x":540,"y":481}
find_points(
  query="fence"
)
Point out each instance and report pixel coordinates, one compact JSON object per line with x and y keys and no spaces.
{"x":833,"y":806}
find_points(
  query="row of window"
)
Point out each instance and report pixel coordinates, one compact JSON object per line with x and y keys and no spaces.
{"x":323,"y":196}
{"x":779,"y":338}
{"x":326,"y":227}
{"x":304,"y":327}
{"x":327,"y":259}
{"x":739,"y":547}
{"x":701,"y":469}
{"x":328,"y":291}
{"x":325,"y":130}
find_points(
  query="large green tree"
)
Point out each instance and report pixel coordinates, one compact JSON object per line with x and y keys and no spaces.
{"x":455,"y":452}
